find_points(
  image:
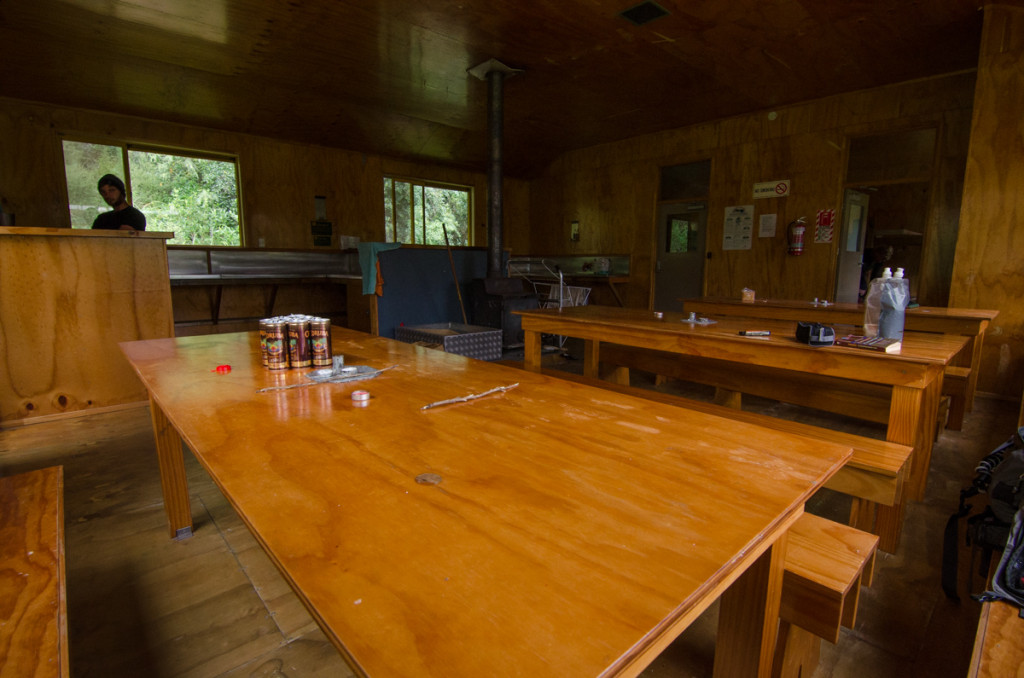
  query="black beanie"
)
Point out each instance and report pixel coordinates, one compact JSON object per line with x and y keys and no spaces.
{"x":111,"y":180}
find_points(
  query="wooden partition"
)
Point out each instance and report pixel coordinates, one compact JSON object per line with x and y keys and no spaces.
{"x":67,"y":297}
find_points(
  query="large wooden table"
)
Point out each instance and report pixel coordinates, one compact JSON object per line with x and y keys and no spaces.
{"x":914,"y":376}
{"x":970,"y":322}
{"x":553,"y":529}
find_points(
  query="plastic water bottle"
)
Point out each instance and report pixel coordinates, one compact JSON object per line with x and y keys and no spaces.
{"x":894,"y":299}
{"x":873,"y":303}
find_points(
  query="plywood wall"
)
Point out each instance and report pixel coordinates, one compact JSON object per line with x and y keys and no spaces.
{"x":612,"y":189}
{"x":989,"y":266}
{"x":278,"y":180}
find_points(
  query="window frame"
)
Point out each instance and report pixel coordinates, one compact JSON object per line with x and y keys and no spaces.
{"x":127,"y":146}
{"x":390,"y":234}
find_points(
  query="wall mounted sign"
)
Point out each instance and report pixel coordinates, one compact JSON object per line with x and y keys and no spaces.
{"x":825,"y":226}
{"x":771,"y":189}
{"x":739,"y":227}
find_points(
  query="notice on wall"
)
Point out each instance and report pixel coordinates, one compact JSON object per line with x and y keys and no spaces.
{"x":739,"y":227}
{"x":825,"y":226}
{"x":771,"y":189}
{"x":766,"y":225}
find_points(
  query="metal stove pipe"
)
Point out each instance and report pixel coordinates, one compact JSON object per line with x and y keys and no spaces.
{"x":495,"y":130}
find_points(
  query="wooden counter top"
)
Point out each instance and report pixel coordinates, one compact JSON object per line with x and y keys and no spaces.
{"x":83,"y":232}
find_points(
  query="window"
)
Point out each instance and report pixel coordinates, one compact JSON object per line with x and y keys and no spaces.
{"x":194,"y":196}
{"x":420,"y":213}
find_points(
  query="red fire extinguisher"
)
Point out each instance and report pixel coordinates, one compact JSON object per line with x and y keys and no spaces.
{"x":796,"y":236}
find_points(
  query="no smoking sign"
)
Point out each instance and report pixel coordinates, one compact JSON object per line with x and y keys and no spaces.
{"x":771,"y":189}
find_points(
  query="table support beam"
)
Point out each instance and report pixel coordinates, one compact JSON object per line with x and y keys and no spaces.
{"x":748,"y":617}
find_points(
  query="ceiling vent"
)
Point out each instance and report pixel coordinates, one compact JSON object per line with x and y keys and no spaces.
{"x":643,"y":13}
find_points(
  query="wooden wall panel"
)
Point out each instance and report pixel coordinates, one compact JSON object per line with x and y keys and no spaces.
{"x":946,"y":197}
{"x":278,"y":180}
{"x":611,"y":185}
{"x":990,"y":249}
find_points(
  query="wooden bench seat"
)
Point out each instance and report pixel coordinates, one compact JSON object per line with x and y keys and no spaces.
{"x":33,"y":625}
{"x":999,"y":643}
{"x":826,"y":564}
{"x":860,"y":400}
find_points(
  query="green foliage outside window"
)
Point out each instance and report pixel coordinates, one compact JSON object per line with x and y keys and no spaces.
{"x":196,"y":198}
{"x":679,"y":231}
{"x":418,"y":213}
{"x":84,"y":164}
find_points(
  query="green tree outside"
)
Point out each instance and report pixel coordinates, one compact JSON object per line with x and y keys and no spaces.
{"x":196,"y":198}
{"x":417,"y":213}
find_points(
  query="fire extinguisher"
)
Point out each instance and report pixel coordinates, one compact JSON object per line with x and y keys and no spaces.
{"x":796,"y":236}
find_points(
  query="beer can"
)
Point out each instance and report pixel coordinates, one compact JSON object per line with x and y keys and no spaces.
{"x":320,"y":342}
{"x":263,"y":340}
{"x":277,"y":344}
{"x":298,"y":341}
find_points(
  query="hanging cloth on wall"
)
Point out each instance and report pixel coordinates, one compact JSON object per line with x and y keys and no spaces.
{"x":368,"y":251}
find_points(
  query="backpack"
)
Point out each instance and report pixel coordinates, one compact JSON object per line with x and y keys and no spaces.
{"x":999,"y":475}
{"x":1008,"y":581}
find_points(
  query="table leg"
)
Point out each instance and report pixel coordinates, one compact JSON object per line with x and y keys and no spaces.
{"x":615,"y":291}
{"x":531,"y":350}
{"x":591,"y":358}
{"x":748,"y":617}
{"x":912,"y":414}
{"x":972,"y":380}
{"x":172,"y":474}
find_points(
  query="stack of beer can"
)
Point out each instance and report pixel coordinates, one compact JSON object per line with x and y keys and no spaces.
{"x":295,"y":341}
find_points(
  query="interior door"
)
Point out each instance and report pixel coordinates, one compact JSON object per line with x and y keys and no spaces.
{"x":851,"y":247}
{"x":679,"y":266}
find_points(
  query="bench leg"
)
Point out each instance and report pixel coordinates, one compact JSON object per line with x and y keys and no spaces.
{"x":591,"y":358}
{"x":957,"y":410}
{"x":727,"y":398}
{"x":797,"y":652}
{"x":531,"y":351}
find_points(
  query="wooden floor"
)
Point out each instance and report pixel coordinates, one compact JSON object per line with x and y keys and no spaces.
{"x":142,"y":605}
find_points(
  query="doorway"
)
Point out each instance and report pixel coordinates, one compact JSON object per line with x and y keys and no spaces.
{"x":679,"y":267}
{"x":680,"y":233}
{"x":896,"y":170}
{"x":850,"y":273}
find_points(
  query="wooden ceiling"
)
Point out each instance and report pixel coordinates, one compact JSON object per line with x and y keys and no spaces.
{"x":390,"y":76}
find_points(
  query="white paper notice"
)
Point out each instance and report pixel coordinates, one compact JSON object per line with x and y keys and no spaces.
{"x":766,"y":226}
{"x":739,"y":227}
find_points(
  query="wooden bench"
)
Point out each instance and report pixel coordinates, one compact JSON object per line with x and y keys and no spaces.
{"x":999,"y":643}
{"x":860,"y":400}
{"x":33,"y":628}
{"x":826,"y":564}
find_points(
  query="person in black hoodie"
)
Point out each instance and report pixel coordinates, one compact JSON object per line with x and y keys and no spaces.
{"x":123,"y":217}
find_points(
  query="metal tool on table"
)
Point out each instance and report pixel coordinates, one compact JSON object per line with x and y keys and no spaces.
{"x":338,"y":373}
{"x":693,"y":319}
